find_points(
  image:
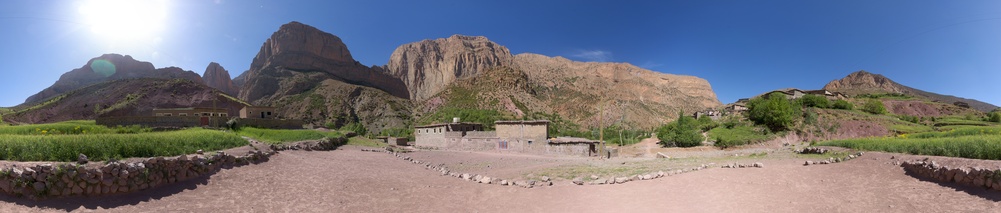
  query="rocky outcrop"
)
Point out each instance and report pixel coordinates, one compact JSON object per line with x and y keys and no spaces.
{"x":429,"y":66}
{"x":862,"y":82}
{"x":109,"y":67}
{"x":301,"y":48}
{"x":217,"y":77}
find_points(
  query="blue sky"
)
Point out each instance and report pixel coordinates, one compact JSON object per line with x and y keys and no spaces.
{"x":742,"y":48}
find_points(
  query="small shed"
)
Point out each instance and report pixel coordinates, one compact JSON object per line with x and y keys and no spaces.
{"x":572,"y":146}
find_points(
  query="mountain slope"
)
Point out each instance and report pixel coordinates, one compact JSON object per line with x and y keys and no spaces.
{"x":309,"y":74}
{"x":216,"y":76}
{"x":109,"y":67}
{"x":123,"y":97}
{"x":862,"y":82}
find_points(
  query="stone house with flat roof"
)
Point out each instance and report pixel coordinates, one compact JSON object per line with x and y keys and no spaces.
{"x":530,"y":137}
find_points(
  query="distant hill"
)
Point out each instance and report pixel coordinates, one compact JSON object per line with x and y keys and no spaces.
{"x":862,"y":82}
{"x":109,"y":67}
{"x":123,"y":97}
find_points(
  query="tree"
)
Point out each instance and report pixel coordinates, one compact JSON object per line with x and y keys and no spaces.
{"x":775,"y":112}
{"x":683,"y":132}
{"x":874,"y":106}
{"x":842,"y":104}
{"x":815,"y":101}
{"x":994,"y":117}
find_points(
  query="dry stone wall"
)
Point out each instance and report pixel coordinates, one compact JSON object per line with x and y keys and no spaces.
{"x":68,"y":179}
{"x":52,"y":180}
{"x":976,"y":177}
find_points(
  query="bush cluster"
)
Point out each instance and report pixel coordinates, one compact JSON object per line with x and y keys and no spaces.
{"x":775,"y":112}
{"x":874,"y":106}
{"x":683,"y":132}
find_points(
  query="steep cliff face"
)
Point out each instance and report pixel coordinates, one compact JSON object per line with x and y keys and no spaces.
{"x":217,"y":77}
{"x":109,"y":67}
{"x":428,"y":67}
{"x":309,"y":74}
{"x":862,"y":82}
{"x":644,"y":98}
{"x":299,"y":47}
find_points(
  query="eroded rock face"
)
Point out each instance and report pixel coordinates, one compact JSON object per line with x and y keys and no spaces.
{"x":303,"y":48}
{"x":309,"y":74}
{"x":217,"y":77}
{"x":109,"y":67}
{"x":647,"y":98}
{"x":429,"y":66}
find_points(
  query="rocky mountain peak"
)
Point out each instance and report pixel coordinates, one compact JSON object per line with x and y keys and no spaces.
{"x":428,"y":66}
{"x":299,"y":46}
{"x":217,"y":77}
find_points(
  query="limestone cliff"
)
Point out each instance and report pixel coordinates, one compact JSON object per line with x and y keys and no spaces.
{"x":309,"y":74}
{"x":303,"y":48}
{"x":429,"y":66}
{"x":109,"y":67}
{"x":217,"y":77}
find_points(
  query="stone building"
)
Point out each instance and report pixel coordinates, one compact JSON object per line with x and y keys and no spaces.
{"x":260,"y":112}
{"x":510,"y":136}
{"x":191,"y":111}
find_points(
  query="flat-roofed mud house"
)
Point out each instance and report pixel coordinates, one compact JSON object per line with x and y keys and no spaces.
{"x":510,"y":136}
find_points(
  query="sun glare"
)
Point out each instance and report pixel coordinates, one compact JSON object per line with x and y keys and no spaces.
{"x":117,"y":20}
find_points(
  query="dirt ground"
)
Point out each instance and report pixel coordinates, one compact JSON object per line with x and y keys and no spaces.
{"x":350,"y":180}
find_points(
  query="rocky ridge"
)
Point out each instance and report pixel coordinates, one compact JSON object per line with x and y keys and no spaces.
{"x":109,"y":67}
{"x":863,"y":82}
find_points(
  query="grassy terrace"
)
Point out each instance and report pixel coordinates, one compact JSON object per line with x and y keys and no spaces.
{"x":965,"y":142}
{"x":279,"y":136}
{"x":65,"y":140}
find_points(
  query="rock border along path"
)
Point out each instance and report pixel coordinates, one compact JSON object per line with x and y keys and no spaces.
{"x":544,"y":180}
{"x":967,"y":176}
{"x":54,"y":180}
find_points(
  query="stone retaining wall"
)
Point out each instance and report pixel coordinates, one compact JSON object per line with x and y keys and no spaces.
{"x":976,"y":177}
{"x":71,"y":179}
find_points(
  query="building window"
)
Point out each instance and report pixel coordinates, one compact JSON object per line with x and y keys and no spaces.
{"x":166,"y":114}
{"x":502,"y":144}
{"x":269,"y":113}
{"x":224,"y":114}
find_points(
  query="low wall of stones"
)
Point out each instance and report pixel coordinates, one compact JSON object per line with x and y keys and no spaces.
{"x":69,"y":179}
{"x":72,"y":179}
{"x":975,"y":177}
{"x":544,"y":180}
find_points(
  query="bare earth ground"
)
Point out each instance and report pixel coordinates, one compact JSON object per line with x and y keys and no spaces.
{"x":349,"y":180}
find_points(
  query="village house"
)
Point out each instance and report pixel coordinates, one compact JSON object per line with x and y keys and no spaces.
{"x":510,"y":136}
{"x":261,"y":112}
{"x":827,"y":94}
{"x":191,"y":111}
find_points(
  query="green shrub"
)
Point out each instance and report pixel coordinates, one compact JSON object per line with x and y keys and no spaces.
{"x":994,"y":117}
{"x":775,"y":112}
{"x":356,"y":128}
{"x":977,"y":146}
{"x":842,"y":104}
{"x":815,"y":101}
{"x":874,"y":106}
{"x":682,"y":132}
{"x":741,"y":135}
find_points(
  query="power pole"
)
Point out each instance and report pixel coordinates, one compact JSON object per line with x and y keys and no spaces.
{"x":601,"y":127}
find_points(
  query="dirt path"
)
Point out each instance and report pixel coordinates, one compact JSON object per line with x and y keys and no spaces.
{"x":349,"y":180}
